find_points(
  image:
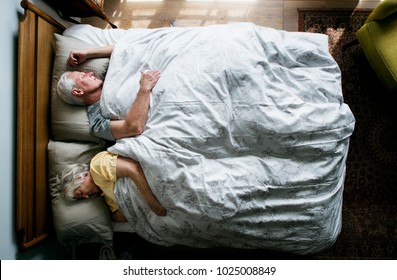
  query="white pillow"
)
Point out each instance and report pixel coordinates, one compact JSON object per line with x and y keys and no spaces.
{"x":68,"y":122}
{"x":81,"y":221}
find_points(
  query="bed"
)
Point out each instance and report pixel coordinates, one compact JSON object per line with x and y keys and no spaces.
{"x":245,"y":144}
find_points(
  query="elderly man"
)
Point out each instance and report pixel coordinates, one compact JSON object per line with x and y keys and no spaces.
{"x":84,"y":88}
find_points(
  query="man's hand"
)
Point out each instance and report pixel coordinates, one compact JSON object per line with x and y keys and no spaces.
{"x":77,"y":57}
{"x":149,"y":79}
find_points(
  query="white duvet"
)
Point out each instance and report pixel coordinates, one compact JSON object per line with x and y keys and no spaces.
{"x":246,"y":140}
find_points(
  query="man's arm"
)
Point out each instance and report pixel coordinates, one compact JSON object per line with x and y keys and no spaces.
{"x":135,"y":121}
{"x":78,"y":57}
{"x":126,"y":167}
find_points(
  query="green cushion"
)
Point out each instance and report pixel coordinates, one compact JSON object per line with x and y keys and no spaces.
{"x":378,"y":39}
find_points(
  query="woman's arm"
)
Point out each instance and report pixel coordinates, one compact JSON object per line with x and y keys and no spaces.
{"x":127,"y":167}
{"x":118,"y":216}
{"x":78,"y":57}
{"x":135,"y":121}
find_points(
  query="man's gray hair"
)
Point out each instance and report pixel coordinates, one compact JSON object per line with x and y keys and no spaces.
{"x":64,"y":90}
{"x":71,"y":178}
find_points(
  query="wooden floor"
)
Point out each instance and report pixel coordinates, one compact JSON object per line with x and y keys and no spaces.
{"x":279,"y":14}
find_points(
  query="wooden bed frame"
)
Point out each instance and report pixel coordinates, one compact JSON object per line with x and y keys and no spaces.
{"x":35,"y":62}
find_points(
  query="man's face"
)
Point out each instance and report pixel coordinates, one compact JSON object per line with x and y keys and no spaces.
{"x":86,"y":81}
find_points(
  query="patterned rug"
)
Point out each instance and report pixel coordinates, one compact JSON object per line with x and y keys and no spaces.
{"x":369,"y":228}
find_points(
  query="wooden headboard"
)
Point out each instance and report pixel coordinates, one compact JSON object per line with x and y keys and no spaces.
{"x":35,"y":62}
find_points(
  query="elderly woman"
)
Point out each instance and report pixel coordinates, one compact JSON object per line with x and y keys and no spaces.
{"x":80,"y":181}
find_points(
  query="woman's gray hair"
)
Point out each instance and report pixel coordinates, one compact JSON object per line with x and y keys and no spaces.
{"x":64,"y":89}
{"x":71,"y":178}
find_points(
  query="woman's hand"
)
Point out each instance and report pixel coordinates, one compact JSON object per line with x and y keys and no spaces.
{"x":149,"y":79}
{"x":157,"y":208}
{"x":77,"y":57}
{"x":118,"y":216}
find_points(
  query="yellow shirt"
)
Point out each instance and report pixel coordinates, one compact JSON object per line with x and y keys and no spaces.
{"x":103,"y":172}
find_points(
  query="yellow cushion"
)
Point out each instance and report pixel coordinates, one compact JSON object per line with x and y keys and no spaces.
{"x":378,"y":39}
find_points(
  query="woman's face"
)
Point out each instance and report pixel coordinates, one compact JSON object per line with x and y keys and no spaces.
{"x":87,"y":188}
